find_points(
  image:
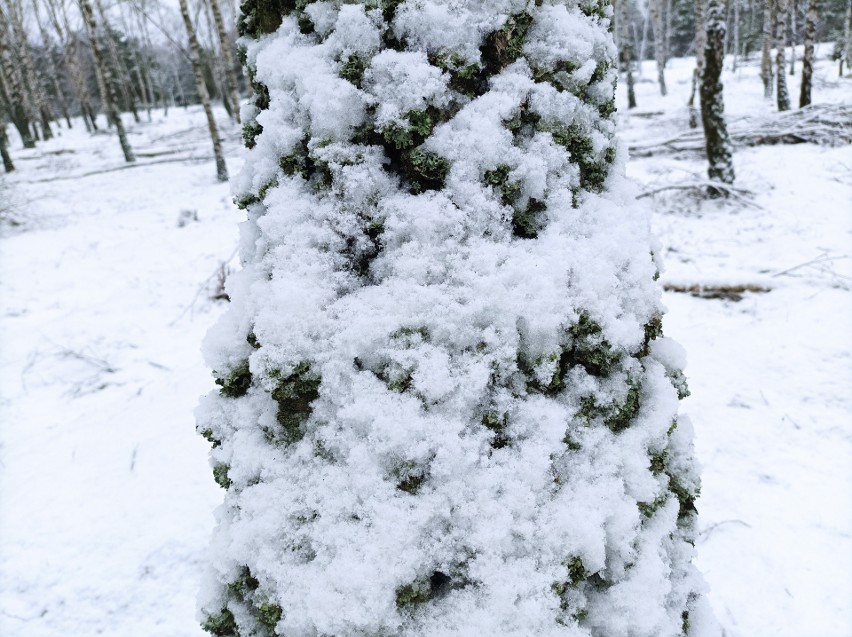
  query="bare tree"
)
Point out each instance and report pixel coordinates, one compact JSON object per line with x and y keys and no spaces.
{"x":781,"y":93}
{"x":12,"y":89}
{"x":227,"y":59}
{"x":8,"y":166}
{"x":109,"y":96}
{"x":766,"y":47}
{"x":626,"y":51}
{"x":32,"y":84}
{"x":700,"y":44}
{"x":808,"y":57}
{"x":51,"y":67}
{"x":71,"y":50}
{"x":716,"y":139}
{"x":736,"y":35}
{"x":201,"y":87}
{"x":846,"y":53}
{"x":656,"y":7}
{"x":793,"y":36}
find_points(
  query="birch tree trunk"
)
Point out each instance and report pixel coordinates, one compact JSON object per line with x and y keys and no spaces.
{"x":766,"y":48}
{"x":227,"y":58}
{"x":781,"y":93}
{"x":846,"y":55}
{"x":736,"y":33}
{"x":52,"y":69}
{"x":793,"y":36}
{"x":626,"y":51}
{"x":109,"y":96}
{"x":201,"y":87}
{"x":32,"y":82}
{"x":13,"y":93}
{"x":656,"y":8}
{"x":717,"y":142}
{"x":71,"y":52}
{"x":118,"y":69}
{"x":808,"y":57}
{"x":697,"y":74}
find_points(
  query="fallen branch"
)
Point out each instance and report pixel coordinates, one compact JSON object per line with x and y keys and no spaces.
{"x":824,"y":124}
{"x":707,"y":189}
{"x":727,"y":292}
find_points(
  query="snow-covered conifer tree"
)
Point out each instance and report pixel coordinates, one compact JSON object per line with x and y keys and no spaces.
{"x":445,"y":404}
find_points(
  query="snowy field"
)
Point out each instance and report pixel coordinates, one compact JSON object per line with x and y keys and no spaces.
{"x":106,"y":499}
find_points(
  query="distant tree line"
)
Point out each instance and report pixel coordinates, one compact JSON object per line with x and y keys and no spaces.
{"x":65,"y":58}
{"x":61,"y":59}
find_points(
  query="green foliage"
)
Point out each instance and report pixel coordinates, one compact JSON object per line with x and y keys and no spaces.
{"x":426,"y":170}
{"x":422,"y":590}
{"x":622,"y":415}
{"x":658,"y":461}
{"x":417,"y":592}
{"x":420,"y":124}
{"x":237,"y":383}
{"x":409,"y":477}
{"x":221,"y":625}
{"x":298,"y":161}
{"x":258,"y":17}
{"x":245,"y":201}
{"x":464,"y":77}
{"x":397,"y":381}
{"x":590,"y":349}
{"x":353,"y":69}
{"x":269,"y":615}
{"x":499,"y":178}
{"x":244,"y":585}
{"x":526,"y":221}
{"x":523,"y":123}
{"x":220,"y":475}
{"x":678,"y":381}
{"x":578,"y":143}
{"x":653,"y":330}
{"x":498,"y":424}
{"x":594,"y":8}
{"x":648,"y":509}
{"x":251,"y":339}
{"x":207,"y":434}
{"x":685,"y":498}
{"x":294,"y":395}
{"x":388,"y":7}
{"x":251,"y":130}
{"x":577,"y":571}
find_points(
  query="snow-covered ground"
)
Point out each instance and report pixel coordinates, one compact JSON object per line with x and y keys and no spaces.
{"x":106,"y":499}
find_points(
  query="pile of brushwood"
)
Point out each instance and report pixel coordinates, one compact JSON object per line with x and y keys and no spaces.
{"x":825,"y":124}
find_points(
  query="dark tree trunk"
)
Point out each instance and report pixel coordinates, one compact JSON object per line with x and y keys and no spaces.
{"x":808,"y":57}
{"x":716,"y":138}
{"x":4,"y":149}
{"x":626,"y":51}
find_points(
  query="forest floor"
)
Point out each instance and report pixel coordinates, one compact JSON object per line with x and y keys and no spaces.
{"x":107,"y":500}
